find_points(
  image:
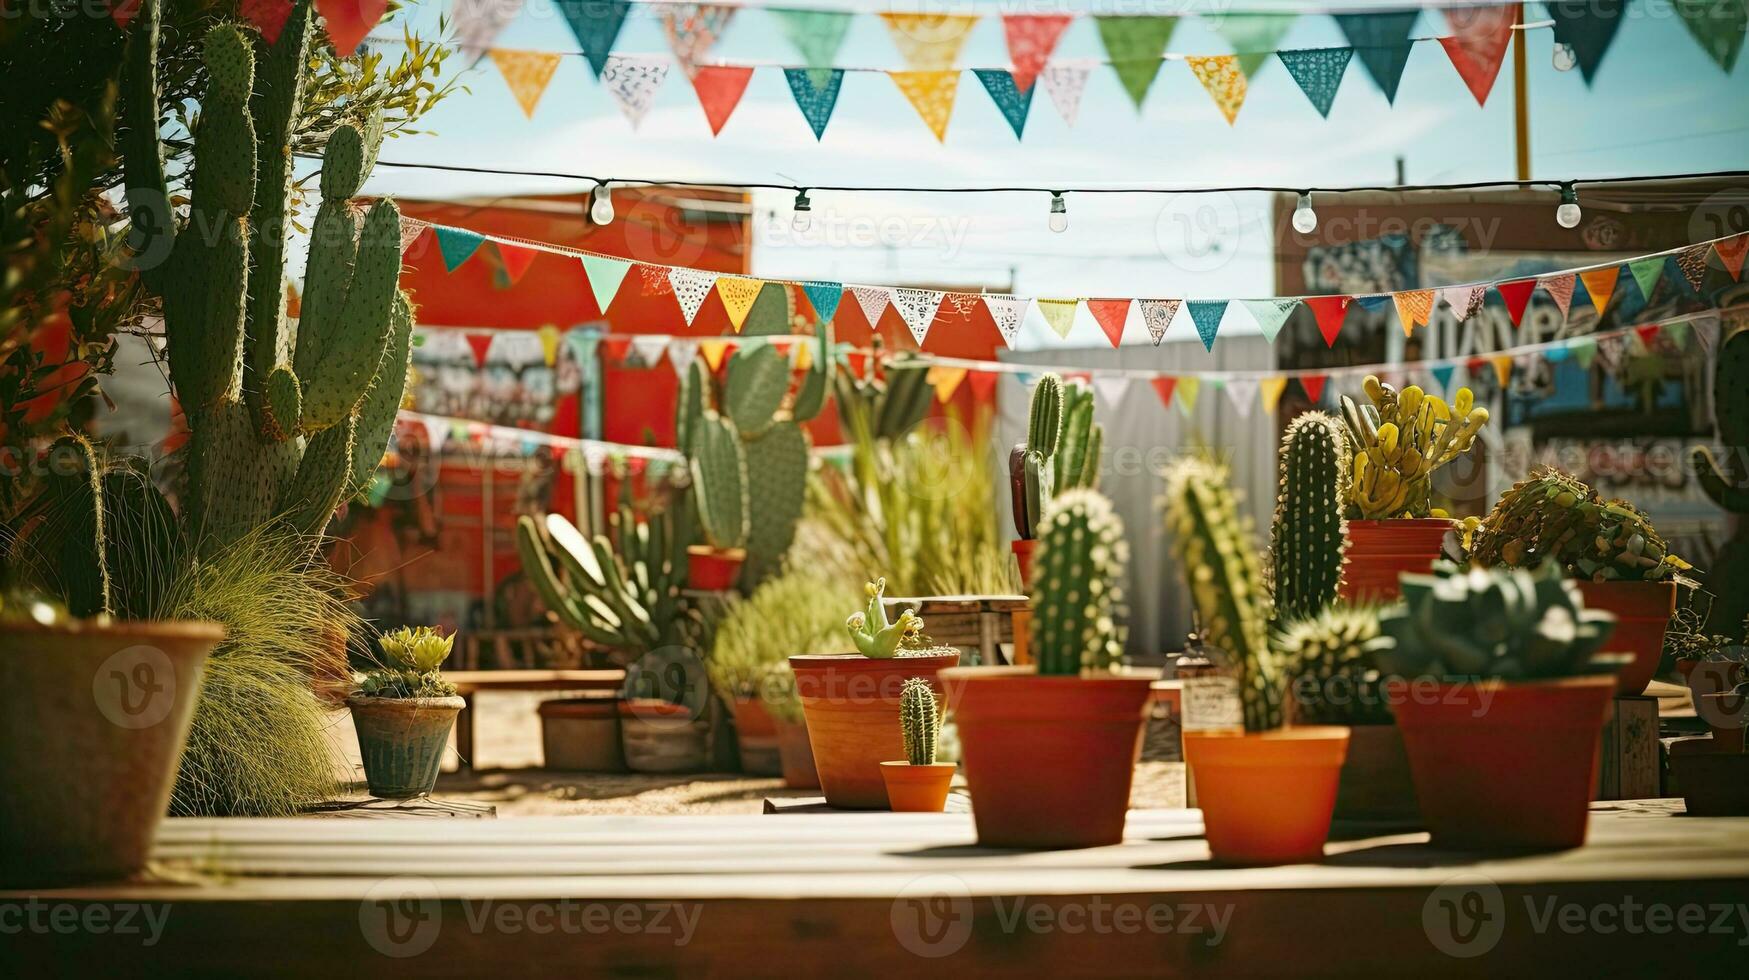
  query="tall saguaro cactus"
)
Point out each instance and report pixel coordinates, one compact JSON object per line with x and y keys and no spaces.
{"x":1309,"y":536}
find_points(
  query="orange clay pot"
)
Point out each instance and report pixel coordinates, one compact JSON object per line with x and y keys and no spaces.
{"x":1501,"y":765}
{"x":1267,"y":797}
{"x":1642,"y":612}
{"x":1023,"y":555}
{"x":917,"y":789}
{"x":1048,"y":759}
{"x":713,"y":569}
{"x":797,"y":756}
{"x":1379,"y":551}
{"x":851,"y":704}
{"x":756,"y":737}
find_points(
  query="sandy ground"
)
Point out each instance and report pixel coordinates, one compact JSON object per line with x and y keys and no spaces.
{"x":507,"y":775}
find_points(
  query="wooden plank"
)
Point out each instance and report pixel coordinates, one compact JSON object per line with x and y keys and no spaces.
{"x":958,"y":801}
{"x":1628,"y":767}
{"x":536,"y":680}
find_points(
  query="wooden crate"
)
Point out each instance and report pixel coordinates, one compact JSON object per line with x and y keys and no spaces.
{"x":1628,"y":765}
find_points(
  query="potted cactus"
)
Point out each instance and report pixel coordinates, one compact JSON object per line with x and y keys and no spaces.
{"x":1399,"y":439}
{"x":1501,"y":694}
{"x":851,"y":701}
{"x":1267,"y":790}
{"x":1727,"y":483}
{"x":1609,"y":547}
{"x":1061,"y":452}
{"x":917,"y":783}
{"x":1050,"y":747}
{"x":403,"y":711}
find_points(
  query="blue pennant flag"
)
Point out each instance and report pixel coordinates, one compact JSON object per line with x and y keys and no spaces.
{"x":457,"y":245}
{"x":1009,"y":99}
{"x":815,"y":101}
{"x":596,"y":24}
{"x":1555,"y":354}
{"x":1207,"y":314}
{"x":1588,"y":27}
{"x":1375,"y":302}
{"x":824,"y":297}
{"x":1442,"y":375}
{"x":1383,"y":43}
{"x":1319,"y":73}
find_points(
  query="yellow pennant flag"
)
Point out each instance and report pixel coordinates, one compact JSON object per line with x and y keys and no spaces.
{"x":1220,"y":75}
{"x":712,"y":351}
{"x":738,"y":294}
{"x":929,"y":42}
{"x":804,"y":356}
{"x":1188,"y":386}
{"x":527,"y":73}
{"x":1270,"y":389}
{"x":1503,"y":369}
{"x":1413,"y":308}
{"x":1600,"y":283}
{"x":549,"y":343}
{"x":1059,"y":313}
{"x":931,"y":94}
{"x":946,"y":380}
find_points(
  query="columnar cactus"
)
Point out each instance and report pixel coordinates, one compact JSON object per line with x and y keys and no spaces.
{"x":1076,"y":462}
{"x":1078,"y":601}
{"x":1030,"y":469}
{"x":919,"y":721}
{"x":877,"y":638}
{"x":1399,"y":440}
{"x":1309,"y":533}
{"x":1728,"y":484}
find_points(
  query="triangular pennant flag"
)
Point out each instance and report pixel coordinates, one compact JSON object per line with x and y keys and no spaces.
{"x":1330,"y":311}
{"x":481,"y":345}
{"x":1269,"y":392}
{"x":1600,"y":285}
{"x":931,"y":93}
{"x":1678,"y":334}
{"x":1646,"y":273}
{"x":1007,"y":311}
{"x":1157,"y":315}
{"x":1314,"y":386}
{"x":1648,"y":334}
{"x":1065,"y":83}
{"x":1253,"y":36}
{"x":823,"y":297}
{"x":1463,"y":300}
{"x":1111,"y":388}
{"x":1480,"y":36}
{"x":1242,"y":392}
{"x":1318,"y":72}
{"x":1031,"y":39}
{"x":515,"y":259}
{"x":874,"y":301}
{"x":1373,"y":302}
{"x":681,"y":351}
{"x":815,"y":99}
{"x":527,"y":73}
{"x":1059,"y":313}
{"x":1503,"y":369}
{"x":1188,"y":386}
{"x":269,"y":16}
{"x":457,"y":245}
{"x":1207,"y":314}
{"x":1270,"y":314}
{"x":1731,"y":252}
{"x":1221,"y":78}
{"x":1441,"y":374}
{"x":346,"y":22}
{"x":692,"y":29}
{"x":929,"y":42}
{"x":548,"y":335}
{"x":1517,"y":297}
{"x":691,"y":286}
{"x":983,"y":385}
{"x":595,"y":24}
{"x":1414,"y":306}
{"x":1383,"y":42}
{"x":412,"y":228}
{"x":1110,"y":314}
{"x":1692,"y":262}
{"x":817,"y":35}
{"x":1560,"y":289}
{"x":1588,"y":27}
{"x":1584,"y":349}
{"x":945,"y":380}
{"x":1610,"y":347}
{"x":614,"y":349}
{"x":1718,"y":25}
{"x":737,"y":294}
{"x":649,"y":349}
{"x":918,"y":308}
{"x":1134,"y":45}
{"x":1164,"y":386}
{"x":632,"y":80}
{"x":604,"y":273}
{"x":1012,"y":101}
{"x":719,"y":89}
{"x":713,"y":352}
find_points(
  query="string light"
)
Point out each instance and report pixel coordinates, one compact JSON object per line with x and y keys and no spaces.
{"x":1568,"y":215}
{"x":601,"y":211}
{"x":1059,"y":212}
{"x":1565,"y":57}
{"x":804,"y":209}
{"x":1305,"y":219}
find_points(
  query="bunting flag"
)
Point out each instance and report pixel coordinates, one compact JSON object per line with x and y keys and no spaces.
{"x":719,"y":90}
{"x":1059,"y":313}
{"x":1646,"y":273}
{"x":945,"y":380}
{"x":1207,"y":314}
{"x":1503,"y":370}
{"x":614,"y":349}
{"x":1186,"y":391}
{"x":649,"y":349}
{"x":1560,"y":289}
{"x":346,"y":22}
{"x":1692,"y":262}
{"x":1163,"y":386}
{"x":632,"y":80}
{"x":713,"y":352}
{"x":1110,"y":314}
{"x":1270,"y":314}
{"x":691,"y":286}
{"x":874,"y":301}
{"x":1157,"y":315}
{"x":1584,"y":350}
{"x":655,"y":280}
{"x":1313,"y":384}
{"x":1463,"y":300}
{"x":1318,"y":72}
{"x":816,"y":35}
{"x":1588,"y":27}
{"x":1031,"y":39}
{"x":411,"y":230}
{"x":269,"y":16}
{"x":1383,"y":42}
{"x":1477,"y":47}
{"x":815,"y":100}
{"x":1600,"y":285}
{"x":1065,"y":83}
{"x":515,"y":260}
{"x":1330,"y":311}
{"x":595,"y":24}
{"x":738,"y":294}
{"x":931,"y":93}
{"x":1677,"y":333}
{"x":1517,"y":297}
{"x":457,"y":245}
{"x":824,"y":297}
{"x":1011,"y":100}
{"x":1414,"y":306}
{"x":1731,"y":252}
{"x":526,"y":73}
{"x":1007,"y":312}
{"x":604,"y":273}
{"x":1648,"y":335}
{"x":548,"y":337}
{"x":918,"y":308}
{"x":1253,"y":36}
{"x":1111,"y":389}
{"x":681,"y":351}
{"x":1269,"y":391}
{"x":481,"y":345}
{"x":929,"y":42}
{"x":1718,"y":25}
{"x":1134,"y":46}
{"x":1441,"y":374}
{"x":1242,"y":392}
{"x":983,"y":385}
{"x":1221,"y":78}
{"x":692,"y":29}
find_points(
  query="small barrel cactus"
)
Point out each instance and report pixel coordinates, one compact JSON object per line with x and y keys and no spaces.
{"x":413,"y":656}
{"x":919,"y":721}
{"x":1309,"y":534}
{"x":877,"y":638}
{"x":1031,"y":474}
{"x":1552,"y":517}
{"x":1400,"y":439}
{"x":1079,"y":572}
{"x":1330,"y":661}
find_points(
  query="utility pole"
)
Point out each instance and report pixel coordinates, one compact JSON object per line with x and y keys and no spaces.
{"x":1521,"y":98}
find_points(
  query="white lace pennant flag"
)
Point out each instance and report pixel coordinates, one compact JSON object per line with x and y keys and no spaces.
{"x":691,"y":286}
{"x":681,"y":351}
{"x":1065,"y":83}
{"x":649,"y":348}
{"x":1007,"y":311}
{"x":632,"y":80}
{"x":1111,"y":388}
{"x":1157,"y":314}
{"x":1242,"y":392}
{"x":873,"y":300}
{"x":918,"y":307}
{"x":1463,"y":300}
{"x":478,"y":23}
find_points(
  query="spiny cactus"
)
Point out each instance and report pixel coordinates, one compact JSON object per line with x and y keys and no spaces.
{"x":1309,"y":534}
{"x":1213,"y":546}
{"x":1399,"y":440}
{"x":1078,"y":599}
{"x":626,"y":598}
{"x":874,"y":635}
{"x":1031,"y":473}
{"x":887,"y":406}
{"x":1552,"y":517}
{"x":413,"y":657}
{"x":719,"y":482}
{"x":919,"y":721}
{"x":1076,"y":462}
{"x":1329,"y":659}
{"x":1728,"y":485}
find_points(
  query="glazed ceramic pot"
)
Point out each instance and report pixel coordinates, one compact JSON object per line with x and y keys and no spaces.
{"x":851,"y":704}
{"x":1267,"y":797}
{"x":402,"y":741}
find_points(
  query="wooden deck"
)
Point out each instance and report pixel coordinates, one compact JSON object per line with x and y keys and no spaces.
{"x":889,"y":894}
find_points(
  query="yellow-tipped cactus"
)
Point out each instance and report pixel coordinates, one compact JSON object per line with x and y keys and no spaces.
{"x":1400,"y":438}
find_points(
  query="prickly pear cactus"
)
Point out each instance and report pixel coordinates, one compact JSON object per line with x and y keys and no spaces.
{"x":919,"y":721}
{"x":1727,"y":484}
{"x":719,"y":482}
{"x":1078,"y":585}
{"x":1309,"y":534}
{"x":777,"y":477}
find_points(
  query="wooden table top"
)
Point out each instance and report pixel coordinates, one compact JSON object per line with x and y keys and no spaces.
{"x":467,"y":681}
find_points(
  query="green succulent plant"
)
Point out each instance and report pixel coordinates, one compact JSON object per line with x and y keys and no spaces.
{"x":1330,"y":661}
{"x":1078,"y":595}
{"x":919,"y":721}
{"x":883,"y":407}
{"x":624,"y":596}
{"x":875,"y":636}
{"x":796,"y":611}
{"x":420,"y":649}
{"x":1552,"y":517}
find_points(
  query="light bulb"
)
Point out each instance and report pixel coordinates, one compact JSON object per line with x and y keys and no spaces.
{"x":1305,"y":219}
{"x":601,"y":211}
{"x":1059,"y":212}
{"x":1565,"y":57}
{"x":1567,"y":215}
{"x":804,"y":209}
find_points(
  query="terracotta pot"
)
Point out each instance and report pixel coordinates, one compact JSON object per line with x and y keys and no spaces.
{"x":1379,"y":551}
{"x":797,"y":756}
{"x":1501,"y":765}
{"x":1642,"y":612}
{"x":581,"y":735}
{"x":1267,"y":797}
{"x":1712,"y":784}
{"x":851,"y":704}
{"x":660,"y":736}
{"x":917,"y":789}
{"x":713,"y":569}
{"x":95,"y":719}
{"x":1022,"y":548}
{"x":1048,"y":759}
{"x":402,"y":741}
{"x":756,"y":736}
{"x":1375,"y":783}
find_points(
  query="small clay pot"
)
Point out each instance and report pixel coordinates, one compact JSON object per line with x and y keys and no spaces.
{"x":1022,"y":548}
{"x":1642,"y":613}
{"x":713,"y":569}
{"x":797,"y":756}
{"x":756,"y":737}
{"x":1267,"y":797}
{"x":851,"y":704}
{"x":917,"y":789}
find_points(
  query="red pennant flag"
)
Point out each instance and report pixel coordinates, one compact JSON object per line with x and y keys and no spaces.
{"x":1517,"y":297}
{"x":1648,"y":333}
{"x":1077,"y":376}
{"x":1731,"y":252}
{"x":124,"y":11}
{"x":348,"y":21}
{"x":516,"y":260}
{"x":1330,"y":311}
{"x":1163,"y":386}
{"x":268,"y":15}
{"x":1031,"y":39}
{"x":613,"y":349}
{"x":1314,"y":385}
{"x":1478,"y":45}
{"x":481,"y":343}
{"x":719,"y":89}
{"x":983,"y":385}
{"x":1111,"y":314}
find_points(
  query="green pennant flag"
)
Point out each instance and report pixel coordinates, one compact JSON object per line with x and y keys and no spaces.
{"x":1254,"y":37}
{"x":1584,"y":351}
{"x":1718,"y":27}
{"x":817,"y":35}
{"x":604,"y":274}
{"x":1134,"y":46}
{"x":1646,"y":273}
